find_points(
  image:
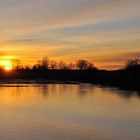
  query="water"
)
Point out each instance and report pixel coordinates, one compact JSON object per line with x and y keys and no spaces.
{"x":68,"y":112}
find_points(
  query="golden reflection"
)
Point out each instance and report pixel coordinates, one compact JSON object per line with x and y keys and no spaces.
{"x":69,"y":108}
{"x":56,"y":95}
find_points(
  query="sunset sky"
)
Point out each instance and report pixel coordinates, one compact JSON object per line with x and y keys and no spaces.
{"x":106,"y":32}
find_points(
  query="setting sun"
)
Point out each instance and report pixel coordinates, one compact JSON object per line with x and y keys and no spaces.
{"x":6,"y":65}
{"x":7,"y":68}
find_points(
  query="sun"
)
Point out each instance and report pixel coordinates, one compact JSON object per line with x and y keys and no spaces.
{"x":6,"y":64}
{"x":8,"y":68}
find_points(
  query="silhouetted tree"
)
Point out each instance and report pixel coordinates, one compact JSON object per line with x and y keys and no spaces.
{"x":53,"y":64}
{"x":62,"y":65}
{"x":84,"y":65}
{"x":17,"y":64}
{"x":35,"y":66}
{"x":71,"y":66}
{"x":45,"y":63}
{"x":91,"y":67}
{"x":133,"y":64}
{"x":42,"y":64}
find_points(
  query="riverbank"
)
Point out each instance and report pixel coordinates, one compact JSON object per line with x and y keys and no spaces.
{"x":119,"y":78}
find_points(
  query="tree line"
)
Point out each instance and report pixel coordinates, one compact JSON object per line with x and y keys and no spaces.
{"x":47,"y":64}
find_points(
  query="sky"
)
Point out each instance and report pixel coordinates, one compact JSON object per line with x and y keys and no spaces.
{"x":105,"y":32}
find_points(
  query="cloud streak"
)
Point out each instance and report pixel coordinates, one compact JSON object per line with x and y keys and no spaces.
{"x":70,"y":29}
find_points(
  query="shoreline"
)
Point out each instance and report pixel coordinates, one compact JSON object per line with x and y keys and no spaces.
{"x":122,"y":79}
{"x":26,"y":82}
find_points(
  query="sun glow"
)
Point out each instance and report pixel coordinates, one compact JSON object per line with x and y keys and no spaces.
{"x":6,"y":65}
{"x":7,"y":68}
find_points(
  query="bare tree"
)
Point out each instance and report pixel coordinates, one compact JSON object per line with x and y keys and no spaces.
{"x":53,"y":64}
{"x":91,"y":66}
{"x":45,"y":62}
{"x":132,"y":64}
{"x":62,"y":65}
{"x":71,"y":66}
{"x":84,"y":65}
{"x":17,"y":64}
